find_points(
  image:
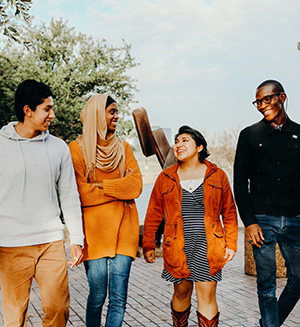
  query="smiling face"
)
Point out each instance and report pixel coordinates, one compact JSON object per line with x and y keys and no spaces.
{"x":41,"y":118}
{"x":112,"y":117}
{"x":273,"y":111}
{"x":186,"y":149}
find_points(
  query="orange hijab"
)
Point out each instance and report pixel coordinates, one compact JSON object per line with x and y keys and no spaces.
{"x":97,"y":151}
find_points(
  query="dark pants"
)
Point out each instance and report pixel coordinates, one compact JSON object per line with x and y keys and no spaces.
{"x":286,"y":232}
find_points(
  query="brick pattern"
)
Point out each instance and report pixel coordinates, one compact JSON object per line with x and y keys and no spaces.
{"x":149,"y":297}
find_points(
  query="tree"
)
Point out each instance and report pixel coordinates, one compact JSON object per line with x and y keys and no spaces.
{"x":222,"y":147}
{"x":20,"y":8}
{"x":75,"y":66}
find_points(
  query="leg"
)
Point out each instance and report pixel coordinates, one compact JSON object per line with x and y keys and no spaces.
{"x":52,"y":278}
{"x":206,"y":298}
{"x":181,"y":299}
{"x":119,"y":270}
{"x":266,"y":270}
{"x":289,"y":243}
{"x":97,"y":276}
{"x":181,"y":303}
{"x":17,"y":266}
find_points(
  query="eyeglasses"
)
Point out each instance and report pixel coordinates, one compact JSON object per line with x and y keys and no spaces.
{"x":267,"y":99}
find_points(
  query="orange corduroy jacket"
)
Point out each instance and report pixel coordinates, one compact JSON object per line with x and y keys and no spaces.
{"x":110,"y":218}
{"x":166,"y":200}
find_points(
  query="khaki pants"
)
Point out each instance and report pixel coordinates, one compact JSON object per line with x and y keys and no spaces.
{"x":47,"y":263}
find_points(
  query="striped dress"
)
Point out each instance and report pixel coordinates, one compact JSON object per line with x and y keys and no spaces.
{"x":192,"y":210}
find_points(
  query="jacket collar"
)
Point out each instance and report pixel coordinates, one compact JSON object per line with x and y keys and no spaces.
{"x":172,"y":170}
{"x":287,"y":127}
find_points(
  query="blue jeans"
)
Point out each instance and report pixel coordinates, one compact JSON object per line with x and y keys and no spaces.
{"x":286,"y":232}
{"x":114,"y":274}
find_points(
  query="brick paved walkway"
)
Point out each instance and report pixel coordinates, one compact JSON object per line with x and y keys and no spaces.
{"x":149,"y":297}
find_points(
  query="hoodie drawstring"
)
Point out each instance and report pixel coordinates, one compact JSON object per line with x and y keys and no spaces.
{"x":50,"y":176}
{"x":24,"y":174}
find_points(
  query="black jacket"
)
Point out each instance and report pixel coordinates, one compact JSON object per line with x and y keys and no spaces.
{"x":267,"y":171}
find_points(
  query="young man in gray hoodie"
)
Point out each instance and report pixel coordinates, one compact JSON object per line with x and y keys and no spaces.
{"x":33,"y":165}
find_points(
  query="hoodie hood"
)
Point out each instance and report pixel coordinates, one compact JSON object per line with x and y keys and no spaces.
{"x":9,"y":132}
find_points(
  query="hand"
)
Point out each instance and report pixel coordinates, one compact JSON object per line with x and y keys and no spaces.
{"x":98,"y":184}
{"x":229,"y":254}
{"x":254,"y":235}
{"x":76,"y":253}
{"x":128,"y":172}
{"x":150,"y":256}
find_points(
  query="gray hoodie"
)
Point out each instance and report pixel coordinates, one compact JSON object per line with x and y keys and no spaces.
{"x":30,"y":172}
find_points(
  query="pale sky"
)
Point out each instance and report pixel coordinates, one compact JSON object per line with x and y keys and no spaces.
{"x":200,"y":60}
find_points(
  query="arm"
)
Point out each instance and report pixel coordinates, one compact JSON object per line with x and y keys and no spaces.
{"x":69,"y":198}
{"x":131,"y":185}
{"x":242,"y":171}
{"x":89,"y":195}
{"x":229,"y":217}
{"x":153,"y":219}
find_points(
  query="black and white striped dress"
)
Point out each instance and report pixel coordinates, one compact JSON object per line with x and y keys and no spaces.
{"x":192,"y":210}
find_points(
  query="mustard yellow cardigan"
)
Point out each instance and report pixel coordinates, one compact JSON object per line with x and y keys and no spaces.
{"x":110,"y":218}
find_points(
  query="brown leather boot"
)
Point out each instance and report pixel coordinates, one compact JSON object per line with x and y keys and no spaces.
{"x":204,"y":322}
{"x":180,"y":319}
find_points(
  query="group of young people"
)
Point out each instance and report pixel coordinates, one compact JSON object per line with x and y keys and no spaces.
{"x":97,"y":179}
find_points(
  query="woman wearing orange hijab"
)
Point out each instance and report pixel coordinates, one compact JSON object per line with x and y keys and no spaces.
{"x":108,"y":180}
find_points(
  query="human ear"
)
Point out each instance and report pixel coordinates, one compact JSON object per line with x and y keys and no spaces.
{"x":200,"y":148}
{"x":27,"y":111}
{"x":282,"y":97}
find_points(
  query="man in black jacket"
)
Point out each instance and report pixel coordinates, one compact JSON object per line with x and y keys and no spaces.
{"x":267,"y":193}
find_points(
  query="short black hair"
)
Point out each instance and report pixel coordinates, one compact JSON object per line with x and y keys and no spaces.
{"x":277,"y":86}
{"x":30,"y":93}
{"x":197,"y":137}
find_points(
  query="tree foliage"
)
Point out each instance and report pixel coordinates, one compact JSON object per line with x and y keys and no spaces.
{"x":222,"y":147}
{"x":75,"y":66}
{"x":20,"y":10}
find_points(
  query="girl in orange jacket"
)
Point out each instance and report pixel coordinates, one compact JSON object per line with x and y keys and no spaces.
{"x":192,"y":195}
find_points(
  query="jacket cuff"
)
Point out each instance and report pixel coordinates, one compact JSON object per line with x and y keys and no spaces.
{"x":77,"y":239}
{"x":147,"y":249}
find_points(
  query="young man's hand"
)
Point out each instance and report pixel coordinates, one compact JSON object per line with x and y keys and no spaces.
{"x":254,"y":235}
{"x":76,"y":253}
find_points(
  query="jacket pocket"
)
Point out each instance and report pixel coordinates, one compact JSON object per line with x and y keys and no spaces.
{"x":170,"y":250}
{"x":219,"y":243}
{"x":213,"y":197}
{"x":294,"y":145}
